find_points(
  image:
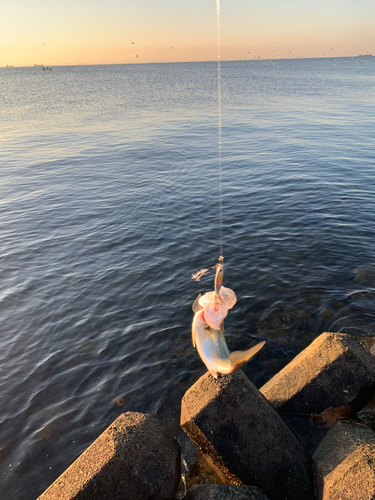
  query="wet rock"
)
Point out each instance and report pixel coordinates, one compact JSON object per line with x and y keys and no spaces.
{"x":224,"y":492}
{"x":345,"y":463}
{"x":244,"y":439}
{"x":368,"y":342}
{"x":134,"y":458}
{"x":198,"y":470}
{"x":333,"y":371}
{"x":365,"y":275}
{"x":283,"y":321}
{"x":367,"y":415}
{"x":370,"y":345}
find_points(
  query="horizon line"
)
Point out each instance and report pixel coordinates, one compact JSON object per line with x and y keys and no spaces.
{"x":188,"y":62}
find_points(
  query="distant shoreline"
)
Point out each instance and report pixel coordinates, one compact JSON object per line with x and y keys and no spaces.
{"x":190,"y":62}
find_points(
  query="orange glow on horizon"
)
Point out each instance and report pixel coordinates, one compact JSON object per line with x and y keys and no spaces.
{"x":73,"y":33}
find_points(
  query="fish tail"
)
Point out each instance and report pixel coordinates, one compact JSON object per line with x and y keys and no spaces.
{"x":238,"y":358}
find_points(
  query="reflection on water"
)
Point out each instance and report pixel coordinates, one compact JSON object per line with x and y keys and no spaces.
{"x":110,"y":202}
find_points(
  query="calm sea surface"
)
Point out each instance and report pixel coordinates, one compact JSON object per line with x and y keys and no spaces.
{"x":110,"y":201}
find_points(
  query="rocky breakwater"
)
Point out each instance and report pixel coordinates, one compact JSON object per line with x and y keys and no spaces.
{"x":133,"y":459}
{"x":333,"y":371}
{"x":244,"y":438}
{"x":345,"y":463}
{"x":242,"y":434}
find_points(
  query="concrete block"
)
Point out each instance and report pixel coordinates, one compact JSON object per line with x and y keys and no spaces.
{"x":244,"y":439}
{"x":333,"y":371}
{"x":224,"y":492}
{"x":345,"y":463}
{"x":133,"y":459}
{"x":367,"y":415}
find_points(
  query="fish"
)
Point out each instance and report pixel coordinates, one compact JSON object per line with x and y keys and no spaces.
{"x":212,"y":347}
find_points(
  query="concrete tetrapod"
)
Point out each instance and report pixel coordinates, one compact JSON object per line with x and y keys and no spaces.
{"x":244,"y":438}
{"x":224,"y":492}
{"x":133,"y":459}
{"x":345,"y":463}
{"x":333,"y":371}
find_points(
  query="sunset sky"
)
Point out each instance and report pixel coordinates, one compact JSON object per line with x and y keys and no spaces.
{"x":64,"y":32}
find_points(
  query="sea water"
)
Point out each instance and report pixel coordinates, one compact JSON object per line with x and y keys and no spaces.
{"x":110,"y":201}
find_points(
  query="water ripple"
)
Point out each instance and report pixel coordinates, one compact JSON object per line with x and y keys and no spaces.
{"x":110,"y":203}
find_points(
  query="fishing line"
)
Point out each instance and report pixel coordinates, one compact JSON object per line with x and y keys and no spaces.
{"x":210,"y":309}
{"x":219,"y":123}
{"x":203,"y":272}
